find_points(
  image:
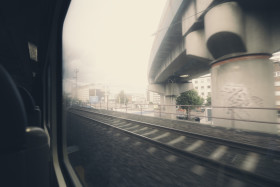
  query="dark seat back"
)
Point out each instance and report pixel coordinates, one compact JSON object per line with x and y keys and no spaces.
{"x":24,"y":152}
{"x":33,"y":112}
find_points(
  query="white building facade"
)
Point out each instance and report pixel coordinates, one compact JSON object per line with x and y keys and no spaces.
{"x":203,"y":86}
{"x":153,"y":97}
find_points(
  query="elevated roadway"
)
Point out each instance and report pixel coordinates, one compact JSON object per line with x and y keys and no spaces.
{"x":233,"y":40}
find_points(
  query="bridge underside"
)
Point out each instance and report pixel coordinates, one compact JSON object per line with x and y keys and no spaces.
{"x":189,"y":65}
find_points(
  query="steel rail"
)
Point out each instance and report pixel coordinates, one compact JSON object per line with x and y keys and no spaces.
{"x":234,"y":144}
{"x":227,"y":169}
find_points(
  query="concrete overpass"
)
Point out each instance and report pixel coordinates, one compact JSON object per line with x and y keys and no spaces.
{"x":233,"y":40}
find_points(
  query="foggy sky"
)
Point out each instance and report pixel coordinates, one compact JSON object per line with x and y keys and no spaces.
{"x":109,"y":41}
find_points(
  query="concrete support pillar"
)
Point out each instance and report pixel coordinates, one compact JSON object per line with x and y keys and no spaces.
{"x":242,"y":75}
{"x":244,"y":81}
{"x":170,"y":107}
{"x":162,"y":99}
{"x":172,"y":90}
{"x":195,"y":45}
{"x":224,"y":30}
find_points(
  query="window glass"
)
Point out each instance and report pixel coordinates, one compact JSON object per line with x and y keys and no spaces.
{"x":132,"y":66}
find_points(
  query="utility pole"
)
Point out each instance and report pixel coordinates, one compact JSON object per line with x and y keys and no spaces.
{"x":76,"y":77}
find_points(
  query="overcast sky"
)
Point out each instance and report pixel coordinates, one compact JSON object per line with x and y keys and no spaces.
{"x":109,"y":41}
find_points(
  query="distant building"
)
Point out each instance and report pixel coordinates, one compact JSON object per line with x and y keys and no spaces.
{"x":203,"y":86}
{"x":153,"y":97}
{"x":277,"y":84}
{"x":138,"y":98}
{"x":276,"y":65}
{"x":91,"y":93}
{"x":83,"y":93}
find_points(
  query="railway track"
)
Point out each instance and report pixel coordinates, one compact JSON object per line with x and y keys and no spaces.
{"x":256,"y":165}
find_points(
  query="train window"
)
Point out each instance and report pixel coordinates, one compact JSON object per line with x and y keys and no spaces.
{"x":134,"y":103}
{"x":106,"y":46}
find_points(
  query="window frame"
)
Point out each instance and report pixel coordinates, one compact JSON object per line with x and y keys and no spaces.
{"x":62,"y":172}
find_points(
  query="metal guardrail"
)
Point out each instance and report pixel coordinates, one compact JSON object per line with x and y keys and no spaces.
{"x":199,"y":113}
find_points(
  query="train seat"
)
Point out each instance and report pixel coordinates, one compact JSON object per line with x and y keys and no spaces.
{"x":33,"y":112}
{"x":24,"y":151}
